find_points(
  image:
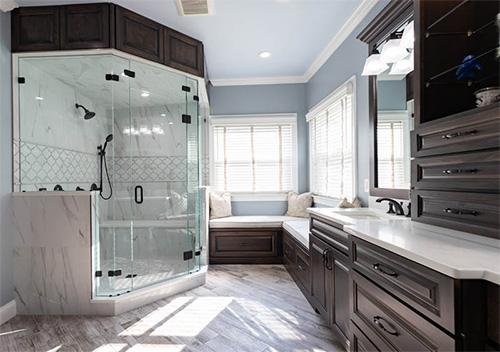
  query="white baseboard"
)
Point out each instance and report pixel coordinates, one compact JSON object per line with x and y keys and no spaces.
{"x":7,"y":312}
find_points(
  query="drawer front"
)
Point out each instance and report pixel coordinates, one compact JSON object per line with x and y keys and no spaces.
{"x":302,"y":270}
{"x":258,"y":244}
{"x":330,"y":234}
{"x":361,"y":343}
{"x":422,"y":288}
{"x":288,"y":249}
{"x":376,"y":312}
{"x":460,"y":172}
{"x":469,"y":212}
{"x":460,"y":135}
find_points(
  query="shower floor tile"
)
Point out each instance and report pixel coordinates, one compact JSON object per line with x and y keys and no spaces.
{"x":253,"y":308}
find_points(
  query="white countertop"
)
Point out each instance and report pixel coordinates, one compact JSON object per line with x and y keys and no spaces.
{"x":434,"y":247}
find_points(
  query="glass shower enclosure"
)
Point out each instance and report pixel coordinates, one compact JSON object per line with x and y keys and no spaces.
{"x":128,"y":131}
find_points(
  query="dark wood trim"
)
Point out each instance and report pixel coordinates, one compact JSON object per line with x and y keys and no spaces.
{"x":384,"y":19}
{"x":390,"y":18}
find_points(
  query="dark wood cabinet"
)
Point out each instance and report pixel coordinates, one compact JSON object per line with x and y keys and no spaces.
{"x":398,"y":327}
{"x":138,"y":35}
{"x":85,"y":26}
{"x":35,"y":29}
{"x":183,"y":52}
{"x":238,"y":246}
{"x":297,"y":262}
{"x":104,"y":25}
{"x":455,"y":173}
{"x":330,"y":275}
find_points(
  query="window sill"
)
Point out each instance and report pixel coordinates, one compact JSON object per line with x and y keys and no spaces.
{"x":324,"y":200}
{"x":259,"y":197}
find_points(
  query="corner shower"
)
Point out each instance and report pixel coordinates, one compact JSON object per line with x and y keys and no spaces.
{"x":137,"y":145}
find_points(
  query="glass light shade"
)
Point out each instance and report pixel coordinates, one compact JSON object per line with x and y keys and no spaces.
{"x":408,"y":38}
{"x":403,"y":67}
{"x":374,"y":66}
{"x":393,"y":52}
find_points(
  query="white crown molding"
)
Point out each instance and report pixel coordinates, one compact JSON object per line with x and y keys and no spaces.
{"x":349,"y":26}
{"x":8,"y":5}
{"x":257,"y":81}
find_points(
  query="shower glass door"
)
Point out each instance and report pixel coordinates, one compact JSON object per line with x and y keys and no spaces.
{"x":158,"y":170}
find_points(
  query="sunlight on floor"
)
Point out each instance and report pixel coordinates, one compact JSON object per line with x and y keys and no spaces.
{"x":194,"y":318}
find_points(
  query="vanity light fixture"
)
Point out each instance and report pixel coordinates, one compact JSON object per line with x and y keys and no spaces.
{"x":158,"y":130}
{"x":392,"y":50}
{"x":373,"y":65}
{"x":403,"y":67}
{"x":408,"y":38}
{"x":265,"y":54}
{"x":144,"y":94}
{"x":144,"y":130}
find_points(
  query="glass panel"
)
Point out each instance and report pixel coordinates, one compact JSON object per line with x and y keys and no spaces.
{"x":158,"y":167}
{"x":114,"y":200}
{"x":193,"y":186}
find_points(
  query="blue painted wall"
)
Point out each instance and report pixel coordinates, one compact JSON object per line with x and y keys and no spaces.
{"x":6,"y":272}
{"x":265,"y":99}
{"x":391,"y":95}
{"x":346,"y":61}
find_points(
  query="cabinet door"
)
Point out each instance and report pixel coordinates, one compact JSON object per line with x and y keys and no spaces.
{"x":320,"y":276}
{"x":183,"y":53}
{"x":339,"y":294}
{"x":138,"y":35}
{"x":35,"y":28}
{"x":85,"y":26}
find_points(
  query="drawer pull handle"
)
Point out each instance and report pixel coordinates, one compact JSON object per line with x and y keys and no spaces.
{"x":244,"y":244}
{"x":325,"y":258}
{"x":301,"y":267}
{"x":458,"y":134}
{"x":459,"y":171}
{"x":377,"y":319}
{"x":377,"y":267}
{"x":460,"y":212}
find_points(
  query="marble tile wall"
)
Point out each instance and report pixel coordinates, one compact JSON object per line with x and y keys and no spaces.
{"x":52,"y":254}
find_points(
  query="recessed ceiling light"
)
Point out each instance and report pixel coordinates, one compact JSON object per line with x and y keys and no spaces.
{"x":265,"y":54}
{"x":144,"y":94}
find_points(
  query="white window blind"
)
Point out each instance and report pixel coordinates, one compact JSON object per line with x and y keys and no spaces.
{"x":332,"y":145}
{"x":253,"y":156}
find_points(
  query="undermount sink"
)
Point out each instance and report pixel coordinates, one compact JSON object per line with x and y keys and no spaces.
{"x":367,"y":215}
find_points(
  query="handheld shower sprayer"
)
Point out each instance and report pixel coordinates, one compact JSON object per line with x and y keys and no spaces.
{"x":102,"y":153}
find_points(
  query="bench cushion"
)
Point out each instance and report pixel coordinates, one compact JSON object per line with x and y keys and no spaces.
{"x":251,"y":222}
{"x":299,"y":229}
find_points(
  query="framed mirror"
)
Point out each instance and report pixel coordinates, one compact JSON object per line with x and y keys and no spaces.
{"x":391,"y":105}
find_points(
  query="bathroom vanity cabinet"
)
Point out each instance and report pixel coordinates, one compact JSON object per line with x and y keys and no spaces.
{"x":455,"y":144}
{"x":100,"y":26}
{"x":329,"y":279}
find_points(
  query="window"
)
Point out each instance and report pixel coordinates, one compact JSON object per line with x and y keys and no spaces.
{"x":393,"y":149}
{"x":332,"y":144}
{"x":254,"y":154}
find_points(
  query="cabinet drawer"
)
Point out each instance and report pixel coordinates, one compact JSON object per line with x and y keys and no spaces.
{"x":361,"y":343}
{"x":376,"y":312}
{"x":330,"y":234}
{"x":260,"y":244}
{"x":302,"y":269}
{"x":469,"y":212}
{"x":420,"y":287}
{"x":467,"y":171}
{"x":460,"y":134}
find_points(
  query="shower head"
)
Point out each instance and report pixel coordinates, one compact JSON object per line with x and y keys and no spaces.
{"x":109,"y":138}
{"x":88,"y":114}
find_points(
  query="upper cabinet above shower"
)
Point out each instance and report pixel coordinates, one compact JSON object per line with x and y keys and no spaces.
{"x":100,"y":26}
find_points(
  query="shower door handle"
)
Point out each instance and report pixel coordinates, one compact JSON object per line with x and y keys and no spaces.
{"x":139,"y":195}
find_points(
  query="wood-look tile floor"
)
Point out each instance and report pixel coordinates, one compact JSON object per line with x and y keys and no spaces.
{"x":250,"y":308}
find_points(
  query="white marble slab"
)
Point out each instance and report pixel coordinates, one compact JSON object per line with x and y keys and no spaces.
{"x":434,"y":247}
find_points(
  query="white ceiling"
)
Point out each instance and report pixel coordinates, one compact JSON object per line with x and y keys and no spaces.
{"x":297,"y":32}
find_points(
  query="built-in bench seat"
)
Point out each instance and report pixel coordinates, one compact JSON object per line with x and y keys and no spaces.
{"x":253,"y":239}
